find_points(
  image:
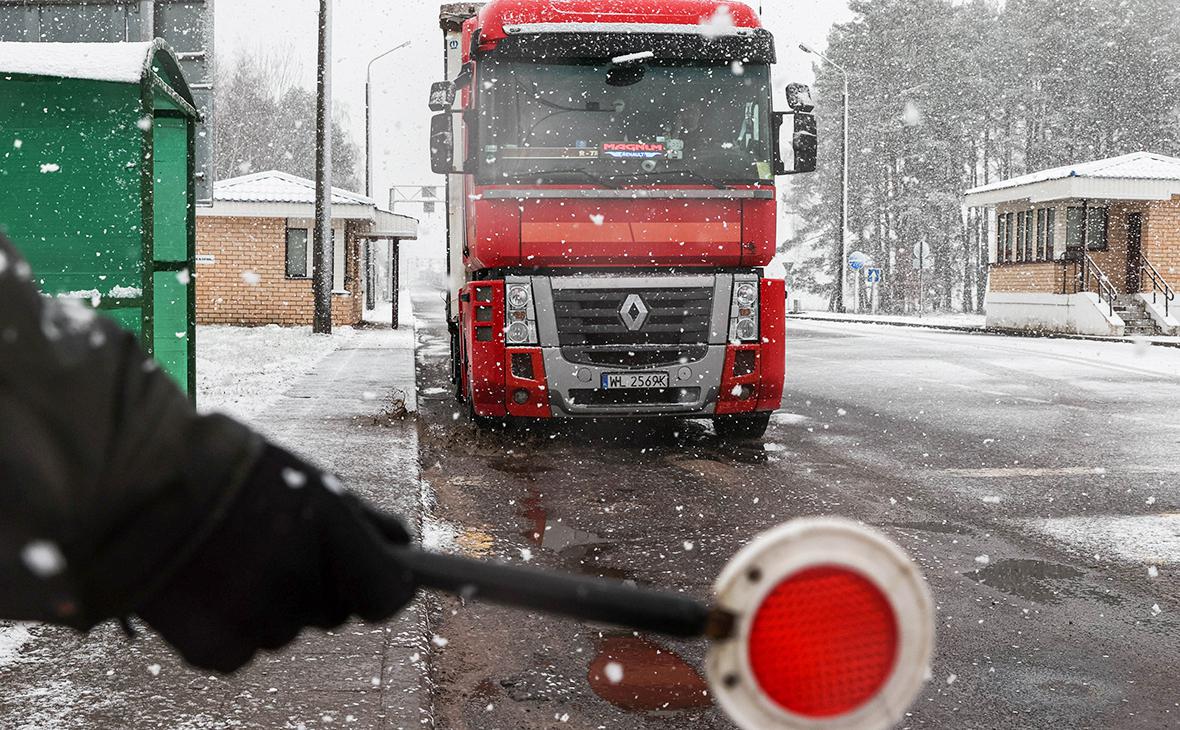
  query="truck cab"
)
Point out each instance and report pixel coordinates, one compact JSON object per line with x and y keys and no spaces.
{"x":611,"y":177}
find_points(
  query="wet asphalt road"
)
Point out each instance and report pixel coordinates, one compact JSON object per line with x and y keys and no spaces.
{"x":1033,"y":480}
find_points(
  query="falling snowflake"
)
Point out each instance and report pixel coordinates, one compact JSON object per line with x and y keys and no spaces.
{"x":719,"y":24}
{"x":43,"y":558}
{"x":50,"y":167}
{"x":333,"y":484}
{"x":613,"y":672}
{"x":294,"y":478}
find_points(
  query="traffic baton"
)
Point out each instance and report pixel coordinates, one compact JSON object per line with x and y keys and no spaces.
{"x":818,"y":624}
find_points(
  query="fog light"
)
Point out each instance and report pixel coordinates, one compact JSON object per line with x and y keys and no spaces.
{"x":585,"y":375}
{"x":745,"y":391}
{"x":518,"y":297}
{"x":518,"y":332}
{"x":746,"y":329}
{"x":521,"y":396}
{"x":746,"y":295}
{"x":684,"y":373}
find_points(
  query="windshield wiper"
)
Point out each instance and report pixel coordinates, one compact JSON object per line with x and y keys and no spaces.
{"x":687,"y":173}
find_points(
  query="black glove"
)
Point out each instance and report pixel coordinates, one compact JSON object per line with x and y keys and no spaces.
{"x":293,"y":551}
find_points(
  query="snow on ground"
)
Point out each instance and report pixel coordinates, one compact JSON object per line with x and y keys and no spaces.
{"x":383,"y":312}
{"x":1151,"y":539}
{"x":242,"y":370}
{"x":946,"y":319}
{"x":12,"y":638}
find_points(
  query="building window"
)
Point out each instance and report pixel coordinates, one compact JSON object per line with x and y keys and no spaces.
{"x":1095,"y":235}
{"x":1001,"y":236}
{"x":1046,"y":233}
{"x":1029,"y":235}
{"x":1010,"y":237}
{"x":298,"y":255}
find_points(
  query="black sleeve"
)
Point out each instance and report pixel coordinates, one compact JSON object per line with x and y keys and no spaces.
{"x":108,"y":478}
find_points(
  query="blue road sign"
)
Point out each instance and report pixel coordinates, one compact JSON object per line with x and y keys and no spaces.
{"x":874,"y":276}
{"x":857,"y":260}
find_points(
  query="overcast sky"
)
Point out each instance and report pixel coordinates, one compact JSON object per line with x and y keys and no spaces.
{"x":401,"y":82}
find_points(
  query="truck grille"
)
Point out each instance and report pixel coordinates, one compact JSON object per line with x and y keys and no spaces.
{"x":590,"y":318}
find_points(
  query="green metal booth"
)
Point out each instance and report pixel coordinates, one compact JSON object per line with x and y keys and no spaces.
{"x":96,"y":184}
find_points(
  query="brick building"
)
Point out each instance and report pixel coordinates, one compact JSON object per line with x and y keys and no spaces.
{"x":1089,"y":249}
{"x":254,"y":251}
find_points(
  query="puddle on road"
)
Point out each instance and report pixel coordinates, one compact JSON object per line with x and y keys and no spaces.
{"x":525,"y":469}
{"x":1033,"y":580}
{"x":652,"y":678}
{"x":942,"y":528}
{"x":580,"y":550}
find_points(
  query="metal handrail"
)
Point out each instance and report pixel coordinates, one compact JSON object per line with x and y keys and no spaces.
{"x":1158,"y":283}
{"x":1091,"y":270}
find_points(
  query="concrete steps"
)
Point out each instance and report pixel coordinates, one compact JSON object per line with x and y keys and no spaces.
{"x":1135,"y":316}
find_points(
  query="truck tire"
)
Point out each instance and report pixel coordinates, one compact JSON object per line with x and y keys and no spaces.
{"x":743,"y":427}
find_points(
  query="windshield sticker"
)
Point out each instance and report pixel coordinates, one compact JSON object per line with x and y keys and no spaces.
{"x":640,"y":150}
{"x":675,"y":149}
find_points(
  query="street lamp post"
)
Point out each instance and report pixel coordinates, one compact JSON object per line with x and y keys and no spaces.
{"x":843,"y":262}
{"x":369,"y":117}
{"x":370,"y":293}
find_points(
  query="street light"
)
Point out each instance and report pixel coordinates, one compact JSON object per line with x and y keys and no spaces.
{"x":370,"y":293}
{"x":843,"y":263}
{"x":369,"y":117}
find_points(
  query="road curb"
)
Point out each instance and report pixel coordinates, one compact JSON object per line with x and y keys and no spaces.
{"x":965,"y":329}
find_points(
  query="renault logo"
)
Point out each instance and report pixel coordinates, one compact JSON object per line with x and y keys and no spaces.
{"x":634,"y":312}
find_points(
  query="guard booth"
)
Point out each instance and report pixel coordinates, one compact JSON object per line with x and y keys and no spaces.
{"x":96,"y":184}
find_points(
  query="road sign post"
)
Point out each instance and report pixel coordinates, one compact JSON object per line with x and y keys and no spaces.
{"x":873,"y":277}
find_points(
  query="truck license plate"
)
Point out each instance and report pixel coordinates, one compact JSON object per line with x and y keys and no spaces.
{"x":625,"y":381}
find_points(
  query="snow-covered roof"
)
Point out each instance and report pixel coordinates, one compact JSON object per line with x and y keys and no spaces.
{"x":273,"y":186}
{"x":1136,"y":176}
{"x":274,"y":194}
{"x":119,"y":62}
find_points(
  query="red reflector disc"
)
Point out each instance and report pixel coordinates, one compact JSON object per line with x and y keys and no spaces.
{"x":823,"y":642}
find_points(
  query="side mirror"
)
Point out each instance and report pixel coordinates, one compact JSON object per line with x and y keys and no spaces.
{"x":442,"y":144}
{"x":802,"y":146}
{"x":442,"y":96}
{"x":799,"y":98}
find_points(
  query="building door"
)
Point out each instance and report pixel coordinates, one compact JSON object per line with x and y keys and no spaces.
{"x":1134,"y":249}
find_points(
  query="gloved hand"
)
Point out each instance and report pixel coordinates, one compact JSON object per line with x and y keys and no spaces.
{"x":293,"y":551}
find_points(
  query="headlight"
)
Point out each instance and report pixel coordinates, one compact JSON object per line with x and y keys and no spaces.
{"x":518,"y":297}
{"x":518,"y":333}
{"x":746,"y":295}
{"x":747,"y":329}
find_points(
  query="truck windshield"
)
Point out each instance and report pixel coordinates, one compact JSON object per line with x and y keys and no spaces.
{"x":554,"y":123}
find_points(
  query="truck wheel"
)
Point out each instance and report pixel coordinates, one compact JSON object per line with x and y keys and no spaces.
{"x":743,"y":427}
{"x":488,"y":423}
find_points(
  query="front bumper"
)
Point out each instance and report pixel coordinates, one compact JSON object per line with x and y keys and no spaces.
{"x":578,"y":339}
{"x":575,"y":388}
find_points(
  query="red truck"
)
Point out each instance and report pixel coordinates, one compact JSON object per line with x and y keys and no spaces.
{"x":611,"y":203}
